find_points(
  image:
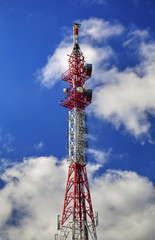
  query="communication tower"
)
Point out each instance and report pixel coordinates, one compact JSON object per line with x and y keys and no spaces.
{"x":78,"y":221}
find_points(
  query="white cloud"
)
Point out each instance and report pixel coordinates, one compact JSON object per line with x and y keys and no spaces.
{"x":38,"y":146}
{"x":99,"y":30}
{"x":56,"y":65}
{"x":5,"y":163}
{"x":135,"y":36}
{"x":143,"y":34}
{"x":100,"y":156}
{"x":35,"y":191}
{"x":6,"y":142}
{"x":126,"y":204}
{"x":129,"y":96}
{"x":92,"y":137}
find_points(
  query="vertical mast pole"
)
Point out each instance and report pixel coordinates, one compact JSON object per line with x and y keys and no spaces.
{"x":77,"y":203}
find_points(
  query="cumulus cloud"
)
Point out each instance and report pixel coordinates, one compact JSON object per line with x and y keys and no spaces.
{"x":122,"y":97}
{"x":99,"y":30}
{"x":31,"y":199}
{"x":126,"y":206}
{"x":34,"y":191}
{"x":129,"y":97}
{"x":56,"y":64}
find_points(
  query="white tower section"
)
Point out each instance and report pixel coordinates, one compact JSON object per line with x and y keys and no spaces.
{"x":77,"y":131}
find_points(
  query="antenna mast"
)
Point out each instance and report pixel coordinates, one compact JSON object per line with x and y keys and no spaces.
{"x":78,"y":221}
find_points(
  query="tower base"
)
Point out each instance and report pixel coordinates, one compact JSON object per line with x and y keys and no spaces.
{"x":78,"y":220}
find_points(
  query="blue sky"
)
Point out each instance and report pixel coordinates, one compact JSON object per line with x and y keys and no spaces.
{"x":118,"y":38}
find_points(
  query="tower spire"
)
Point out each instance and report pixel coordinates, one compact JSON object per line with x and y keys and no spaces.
{"x":78,"y":221}
{"x":75,"y":33}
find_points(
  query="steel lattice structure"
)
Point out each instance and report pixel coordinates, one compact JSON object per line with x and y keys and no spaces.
{"x":78,"y":221}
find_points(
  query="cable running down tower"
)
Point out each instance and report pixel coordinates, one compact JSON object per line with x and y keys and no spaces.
{"x":78,"y":221}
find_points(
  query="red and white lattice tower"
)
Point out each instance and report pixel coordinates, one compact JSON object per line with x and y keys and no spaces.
{"x":78,"y":221}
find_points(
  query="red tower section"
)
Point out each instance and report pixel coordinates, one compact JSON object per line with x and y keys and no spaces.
{"x":78,"y":220}
{"x":78,"y":73}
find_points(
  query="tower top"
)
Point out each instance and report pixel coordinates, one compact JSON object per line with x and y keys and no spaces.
{"x":75,"y":32}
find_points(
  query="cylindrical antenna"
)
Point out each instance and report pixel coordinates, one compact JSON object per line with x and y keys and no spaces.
{"x":75,"y":33}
